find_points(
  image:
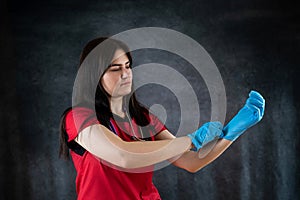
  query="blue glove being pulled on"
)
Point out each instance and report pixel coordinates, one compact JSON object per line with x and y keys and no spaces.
{"x":206,"y":133}
{"x":249,"y":115}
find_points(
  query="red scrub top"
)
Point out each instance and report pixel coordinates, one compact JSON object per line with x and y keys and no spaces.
{"x":96,"y":180}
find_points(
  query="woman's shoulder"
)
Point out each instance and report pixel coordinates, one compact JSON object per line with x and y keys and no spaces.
{"x":77,"y":118}
{"x":79,"y":114}
{"x":79,"y":110}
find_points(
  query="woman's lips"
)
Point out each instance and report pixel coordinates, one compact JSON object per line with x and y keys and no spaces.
{"x":126,"y":83}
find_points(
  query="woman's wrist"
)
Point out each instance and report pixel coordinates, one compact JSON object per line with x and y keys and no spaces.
{"x":191,"y":144}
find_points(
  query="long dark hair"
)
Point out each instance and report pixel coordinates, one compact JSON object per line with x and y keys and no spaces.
{"x":95,"y":58}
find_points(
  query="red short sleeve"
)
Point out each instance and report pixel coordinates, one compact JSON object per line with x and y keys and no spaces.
{"x":156,"y":124}
{"x":77,"y":119}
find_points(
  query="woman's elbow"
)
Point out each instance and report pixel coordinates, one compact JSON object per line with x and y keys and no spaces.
{"x":187,"y":167}
{"x":193,"y":169}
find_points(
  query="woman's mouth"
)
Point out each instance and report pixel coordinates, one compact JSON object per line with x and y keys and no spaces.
{"x":126,"y":83}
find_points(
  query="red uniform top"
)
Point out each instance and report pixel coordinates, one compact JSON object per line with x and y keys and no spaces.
{"x":97,"y":181}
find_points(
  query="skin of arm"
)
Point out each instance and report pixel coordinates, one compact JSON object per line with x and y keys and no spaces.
{"x":104,"y":144}
{"x":190,"y":160}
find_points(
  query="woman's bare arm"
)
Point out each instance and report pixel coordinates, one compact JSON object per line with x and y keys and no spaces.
{"x":104,"y":144}
{"x":190,"y":160}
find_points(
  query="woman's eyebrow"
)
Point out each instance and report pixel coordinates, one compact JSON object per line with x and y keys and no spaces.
{"x":116,"y":64}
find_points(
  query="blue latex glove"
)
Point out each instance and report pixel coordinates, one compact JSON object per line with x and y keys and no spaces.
{"x":205,"y":134}
{"x":248,"y":116}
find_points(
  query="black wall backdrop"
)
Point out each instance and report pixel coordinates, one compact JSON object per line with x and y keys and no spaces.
{"x":255,"y":45}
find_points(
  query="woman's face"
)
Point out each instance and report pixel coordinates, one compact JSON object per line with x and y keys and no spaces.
{"x":117,"y":80}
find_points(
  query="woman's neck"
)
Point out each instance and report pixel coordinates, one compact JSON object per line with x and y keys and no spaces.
{"x":116,"y":106}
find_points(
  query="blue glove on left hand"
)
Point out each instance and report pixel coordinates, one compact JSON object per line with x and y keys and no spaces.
{"x":205,"y":134}
{"x":248,"y":116}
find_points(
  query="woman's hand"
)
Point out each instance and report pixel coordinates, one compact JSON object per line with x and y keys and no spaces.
{"x":206,"y":133}
{"x":248,"y":116}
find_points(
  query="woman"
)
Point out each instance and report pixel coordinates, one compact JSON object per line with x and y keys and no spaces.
{"x":114,"y":141}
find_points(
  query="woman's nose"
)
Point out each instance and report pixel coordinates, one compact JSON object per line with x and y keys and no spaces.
{"x":125,"y":73}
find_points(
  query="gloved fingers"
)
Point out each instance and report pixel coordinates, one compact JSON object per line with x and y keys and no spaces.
{"x":204,"y":126}
{"x":248,"y":116}
{"x":206,"y":133}
{"x":215,"y":125}
{"x":216,"y":128}
{"x":255,"y":95}
{"x":255,"y":102}
{"x":256,"y":99}
{"x":199,"y":134}
{"x":258,"y":111}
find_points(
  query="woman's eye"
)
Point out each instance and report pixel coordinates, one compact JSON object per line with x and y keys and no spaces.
{"x":114,"y":69}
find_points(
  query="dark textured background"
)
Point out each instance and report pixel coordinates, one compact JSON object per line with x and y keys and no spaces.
{"x":255,"y":44}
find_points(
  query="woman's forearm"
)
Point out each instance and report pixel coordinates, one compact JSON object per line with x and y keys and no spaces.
{"x":191,"y":162}
{"x":104,"y":144}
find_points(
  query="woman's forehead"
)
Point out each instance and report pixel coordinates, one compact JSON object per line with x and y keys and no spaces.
{"x":120,"y":56}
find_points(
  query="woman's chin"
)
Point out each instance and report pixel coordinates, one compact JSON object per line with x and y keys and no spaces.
{"x":122,"y":93}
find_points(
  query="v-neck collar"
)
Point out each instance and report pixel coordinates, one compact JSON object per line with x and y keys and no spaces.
{"x":120,"y":119}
